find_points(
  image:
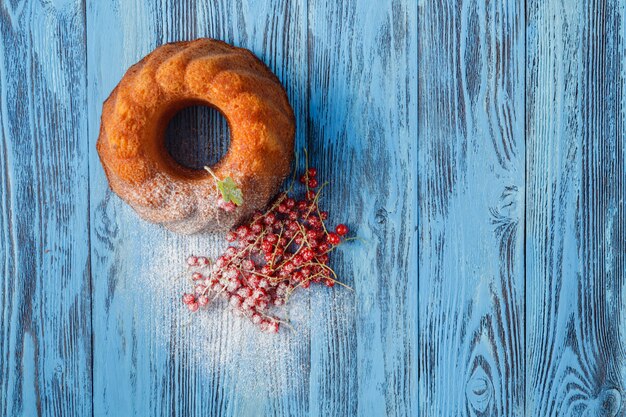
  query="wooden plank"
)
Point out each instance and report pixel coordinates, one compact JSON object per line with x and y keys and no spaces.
{"x":576,"y":241}
{"x":362,"y":132}
{"x":471,"y":201}
{"x":150,"y":358}
{"x":45,"y":343}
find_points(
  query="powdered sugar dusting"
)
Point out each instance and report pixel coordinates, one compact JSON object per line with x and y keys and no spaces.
{"x":217,"y":343}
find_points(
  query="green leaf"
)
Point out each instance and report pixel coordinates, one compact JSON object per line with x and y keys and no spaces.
{"x":230,"y":191}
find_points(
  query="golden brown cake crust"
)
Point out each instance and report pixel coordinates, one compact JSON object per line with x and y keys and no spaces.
{"x":208,"y":72}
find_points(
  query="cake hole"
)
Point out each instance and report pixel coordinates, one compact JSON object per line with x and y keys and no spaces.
{"x":197,"y":136}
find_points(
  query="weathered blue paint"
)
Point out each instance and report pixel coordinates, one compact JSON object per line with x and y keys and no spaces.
{"x":471,"y":200}
{"x":362,"y":61}
{"x":499,"y":292}
{"x":45,"y":335}
{"x":576,"y":212}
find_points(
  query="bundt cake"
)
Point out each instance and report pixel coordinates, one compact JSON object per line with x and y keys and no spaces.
{"x":207,"y":72}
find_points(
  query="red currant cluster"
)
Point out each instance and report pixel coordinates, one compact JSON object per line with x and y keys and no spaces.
{"x":277,"y":252}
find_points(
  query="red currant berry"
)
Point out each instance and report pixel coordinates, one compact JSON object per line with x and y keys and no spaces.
{"x":235,"y":301}
{"x":247,"y":264}
{"x":259,"y":293}
{"x":243,"y":232}
{"x":312,"y":172}
{"x":329,"y":283}
{"x":196,"y":276}
{"x":188,"y":298}
{"x":333,"y":239}
{"x":203,"y":300}
{"x":313,"y":183}
{"x":192,"y":260}
{"x":254,"y":281}
{"x":233,"y":285}
{"x":245,"y":292}
{"x":307,"y":254}
{"x":221,"y":262}
{"x":341,"y":229}
{"x":231,"y":273}
{"x":193,"y":306}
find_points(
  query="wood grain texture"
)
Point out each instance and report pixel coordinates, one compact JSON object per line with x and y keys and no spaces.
{"x":363,"y":98}
{"x":45,"y":343}
{"x":362,"y":102}
{"x":167,"y":363}
{"x":471,"y":200}
{"x":490,"y":136}
{"x":331,"y":363}
{"x":576,"y":298}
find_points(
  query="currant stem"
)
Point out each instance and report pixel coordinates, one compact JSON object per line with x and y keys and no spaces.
{"x":210,"y":171}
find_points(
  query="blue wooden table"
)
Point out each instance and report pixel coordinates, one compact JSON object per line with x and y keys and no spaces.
{"x":477,"y":149}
